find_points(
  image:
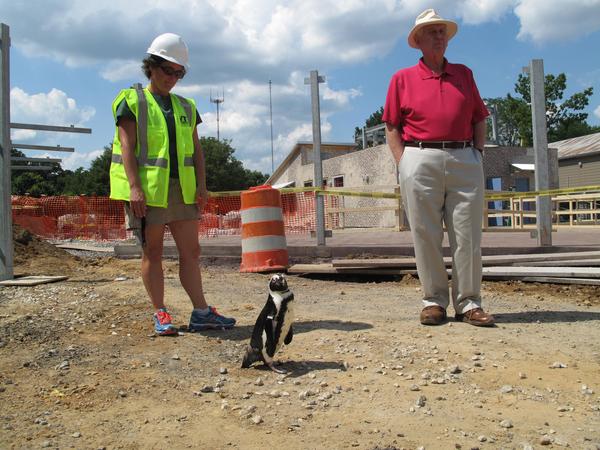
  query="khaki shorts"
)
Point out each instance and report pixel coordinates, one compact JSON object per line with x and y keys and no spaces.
{"x":175,"y":210}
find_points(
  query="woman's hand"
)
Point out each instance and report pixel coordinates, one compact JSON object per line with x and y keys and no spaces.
{"x":201,"y":198}
{"x":137,"y":201}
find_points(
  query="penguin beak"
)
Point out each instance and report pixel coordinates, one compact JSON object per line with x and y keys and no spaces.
{"x":250,"y":357}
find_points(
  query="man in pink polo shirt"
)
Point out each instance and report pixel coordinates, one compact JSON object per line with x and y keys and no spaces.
{"x":435,"y":128}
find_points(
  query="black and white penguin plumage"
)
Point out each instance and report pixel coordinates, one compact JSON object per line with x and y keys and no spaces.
{"x":273,"y":326}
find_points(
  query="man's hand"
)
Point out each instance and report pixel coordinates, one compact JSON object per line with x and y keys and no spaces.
{"x":137,"y":201}
{"x":394,"y":141}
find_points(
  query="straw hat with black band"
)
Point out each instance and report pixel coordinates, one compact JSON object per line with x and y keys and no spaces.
{"x":430,"y":17}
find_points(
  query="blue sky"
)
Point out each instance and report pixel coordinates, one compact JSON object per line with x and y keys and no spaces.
{"x":69,"y":58}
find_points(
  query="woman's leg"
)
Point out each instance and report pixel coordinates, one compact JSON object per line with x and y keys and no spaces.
{"x":152,"y":271}
{"x":185,"y":233}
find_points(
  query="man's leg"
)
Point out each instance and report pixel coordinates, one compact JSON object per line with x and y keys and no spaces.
{"x":422,"y":189}
{"x":464,"y":216}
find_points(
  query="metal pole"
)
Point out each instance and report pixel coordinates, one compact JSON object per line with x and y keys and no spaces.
{"x":271,"y":115}
{"x":314,"y":81}
{"x":6,"y":241}
{"x":540,"y":148}
{"x":364,"y":137}
{"x":494,"y":124}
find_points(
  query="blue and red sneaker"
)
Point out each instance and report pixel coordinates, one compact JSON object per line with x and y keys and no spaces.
{"x":210,"y":320}
{"x":162,"y":323}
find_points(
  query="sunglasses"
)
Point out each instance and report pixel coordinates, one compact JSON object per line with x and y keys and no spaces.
{"x":170,"y":72}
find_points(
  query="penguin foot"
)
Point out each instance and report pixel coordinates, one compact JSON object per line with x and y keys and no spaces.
{"x":274,"y":369}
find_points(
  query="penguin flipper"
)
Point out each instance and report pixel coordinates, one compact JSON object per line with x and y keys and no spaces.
{"x":270,"y":344}
{"x":289,"y":336}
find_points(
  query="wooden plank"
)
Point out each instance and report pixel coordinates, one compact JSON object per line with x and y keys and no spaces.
{"x":585,"y":281}
{"x":570,"y":263}
{"x":329,"y":269}
{"x":487,"y":260}
{"x":376,"y":263}
{"x":561,"y":272}
{"x":85,"y":247}
{"x":33,"y":280}
{"x":555,"y":280}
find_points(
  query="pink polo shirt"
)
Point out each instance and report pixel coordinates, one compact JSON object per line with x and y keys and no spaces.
{"x":431,"y":107}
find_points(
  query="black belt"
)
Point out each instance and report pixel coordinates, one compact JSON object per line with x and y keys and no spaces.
{"x":438,"y":144}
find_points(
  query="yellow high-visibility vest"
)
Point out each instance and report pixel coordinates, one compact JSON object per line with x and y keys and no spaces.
{"x":152,"y":148}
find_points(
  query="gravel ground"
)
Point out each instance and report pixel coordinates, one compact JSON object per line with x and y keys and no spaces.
{"x":80,"y":367}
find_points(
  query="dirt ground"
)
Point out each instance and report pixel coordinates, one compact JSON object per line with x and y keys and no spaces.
{"x":81,"y":368}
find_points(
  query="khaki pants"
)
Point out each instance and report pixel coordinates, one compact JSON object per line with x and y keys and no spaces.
{"x":445,"y":185}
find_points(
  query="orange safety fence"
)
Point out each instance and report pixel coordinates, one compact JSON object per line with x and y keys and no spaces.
{"x":103,"y":219}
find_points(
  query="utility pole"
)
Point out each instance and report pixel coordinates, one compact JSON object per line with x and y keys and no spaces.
{"x":540,"y":148}
{"x":314,"y":81}
{"x":271,"y":115}
{"x":217,"y":101}
{"x":6,"y":240}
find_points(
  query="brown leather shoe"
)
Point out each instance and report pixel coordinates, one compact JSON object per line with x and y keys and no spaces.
{"x":433,"y":315}
{"x":477,"y":317}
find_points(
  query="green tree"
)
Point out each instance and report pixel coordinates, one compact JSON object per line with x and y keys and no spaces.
{"x":35,"y":182}
{"x":564,"y":118}
{"x":98,"y":180}
{"x":224,"y":172}
{"x":373,"y":120}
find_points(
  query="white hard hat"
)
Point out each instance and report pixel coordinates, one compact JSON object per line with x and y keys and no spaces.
{"x":171,"y":47}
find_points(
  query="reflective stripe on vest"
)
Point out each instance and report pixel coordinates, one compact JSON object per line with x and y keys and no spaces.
{"x":156,"y":162}
{"x":142,"y":122}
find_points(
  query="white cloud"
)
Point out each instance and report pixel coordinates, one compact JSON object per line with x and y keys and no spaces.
{"x":52,"y":108}
{"x":481,"y":11}
{"x":597,"y":112}
{"x":244,"y":118}
{"x":77,"y":159}
{"x":557,"y":20}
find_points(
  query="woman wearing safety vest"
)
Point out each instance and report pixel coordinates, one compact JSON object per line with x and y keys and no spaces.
{"x":158,"y":169}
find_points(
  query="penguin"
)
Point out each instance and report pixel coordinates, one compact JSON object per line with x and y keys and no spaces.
{"x":273,"y":326}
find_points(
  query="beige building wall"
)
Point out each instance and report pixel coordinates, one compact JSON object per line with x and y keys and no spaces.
{"x":574,"y":174}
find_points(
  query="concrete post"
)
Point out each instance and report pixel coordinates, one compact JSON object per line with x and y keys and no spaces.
{"x":540,"y":148}
{"x":314,"y":81}
{"x":6,"y":241}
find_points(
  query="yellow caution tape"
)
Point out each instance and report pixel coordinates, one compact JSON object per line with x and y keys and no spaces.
{"x":391,"y":195}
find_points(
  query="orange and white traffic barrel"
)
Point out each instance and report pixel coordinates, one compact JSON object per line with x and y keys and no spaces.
{"x":264,"y":248}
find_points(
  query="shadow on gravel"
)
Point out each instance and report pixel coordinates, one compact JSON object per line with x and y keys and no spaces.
{"x":546,"y":316}
{"x":243,"y":332}
{"x":296,"y":369}
{"x":340,"y":325}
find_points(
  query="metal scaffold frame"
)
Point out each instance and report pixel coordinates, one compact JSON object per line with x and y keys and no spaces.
{"x":6,"y":241}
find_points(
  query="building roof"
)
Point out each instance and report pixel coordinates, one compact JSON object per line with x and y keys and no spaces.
{"x":576,"y":147}
{"x":327,"y":146}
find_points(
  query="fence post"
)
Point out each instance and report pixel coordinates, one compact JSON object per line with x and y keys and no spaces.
{"x":540,"y":147}
{"x":6,"y":240}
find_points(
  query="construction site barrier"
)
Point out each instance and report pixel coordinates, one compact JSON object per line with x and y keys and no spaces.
{"x":102,"y":219}
{"x":264,"y":247}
